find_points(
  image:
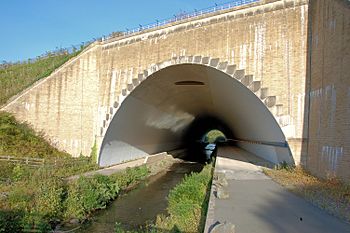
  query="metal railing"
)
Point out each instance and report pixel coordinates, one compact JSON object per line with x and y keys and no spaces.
{"x":180,"y":17}
{"x":129,"y":32}
{"x":266,"y":143}
{"x":50,"y":53}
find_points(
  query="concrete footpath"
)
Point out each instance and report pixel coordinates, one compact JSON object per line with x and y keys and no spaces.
{"x":122,"y":166}
{"x":250,"y":202}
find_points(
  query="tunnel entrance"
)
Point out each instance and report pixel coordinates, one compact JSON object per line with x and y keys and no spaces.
{"x":204,"y":130}
{"x":204,"y":148}
{"x":214,"y":136}
{"x":177,"y":105}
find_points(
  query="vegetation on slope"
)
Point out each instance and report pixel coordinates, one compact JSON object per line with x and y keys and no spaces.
{"x":14,"y":78}
{"x":31,"y":196}
{"x":331,"y":194}
{"x":18,"y":139}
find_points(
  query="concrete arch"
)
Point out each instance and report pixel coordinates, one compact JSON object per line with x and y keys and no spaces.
{"x":160,"y":105}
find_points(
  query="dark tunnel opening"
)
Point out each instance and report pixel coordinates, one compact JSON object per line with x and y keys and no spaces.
{"x":193,"y":139}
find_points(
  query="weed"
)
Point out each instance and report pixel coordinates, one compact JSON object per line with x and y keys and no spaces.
{"x":93,"y":154}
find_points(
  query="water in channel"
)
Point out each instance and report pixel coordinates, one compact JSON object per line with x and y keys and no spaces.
{"x":142,"y":204}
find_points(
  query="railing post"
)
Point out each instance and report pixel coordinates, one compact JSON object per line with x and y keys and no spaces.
{"x":185,"y":16}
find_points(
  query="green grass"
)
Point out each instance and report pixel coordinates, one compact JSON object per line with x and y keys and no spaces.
{"x":88,"y":194}
{"x":32,"y":197}
{"x":38,"y":199}
{"x":14,"y":78}
{"x":187,"y":204}
{"x":18,"y":139}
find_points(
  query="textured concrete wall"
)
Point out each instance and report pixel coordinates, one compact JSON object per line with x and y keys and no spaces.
{"x":64,"y":105}
{"x":267,"y":39}
{"x":329,"y":89}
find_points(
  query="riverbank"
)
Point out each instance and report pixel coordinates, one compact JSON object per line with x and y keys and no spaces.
{"x":92,"y":202}
{"x":42,"y":200}
{"x":139,"y":207}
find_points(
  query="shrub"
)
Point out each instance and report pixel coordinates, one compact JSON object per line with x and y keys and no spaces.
{"x":35,"y":221}
{"x":6,"y":170}
{"x":20,"y":198}
{"x":90,"y":193}
{"x":10,"y":221}
{"x":49,"y":198}
{"x":19,"y":172}
{"x":130,"y":176}
{"x":93,"y":154}
{"x":82,"y":198}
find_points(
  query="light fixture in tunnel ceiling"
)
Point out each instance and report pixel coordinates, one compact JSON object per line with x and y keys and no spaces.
{"x":189,"y":83}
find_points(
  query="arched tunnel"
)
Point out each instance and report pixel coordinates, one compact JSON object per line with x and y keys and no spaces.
{"x":175,"y":106}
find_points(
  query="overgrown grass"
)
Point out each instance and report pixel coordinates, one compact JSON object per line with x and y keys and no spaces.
{"x":40,"y":198}
{"x":16,"y":77}
{"x":18,"y":139}
{"x":187,"y":204}
{"x":331,"y":195}
{"x":32,"y":196}
{"x":91,"y":193}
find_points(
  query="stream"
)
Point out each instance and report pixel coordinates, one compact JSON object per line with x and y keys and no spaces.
{"x":141,"y":205}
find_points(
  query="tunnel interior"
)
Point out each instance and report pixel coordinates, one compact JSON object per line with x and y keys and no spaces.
{"x":194,"y":138}
{"x":175,"y":106}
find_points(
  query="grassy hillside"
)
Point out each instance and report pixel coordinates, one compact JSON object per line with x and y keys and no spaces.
{"x":18,"y":139}
{"x":16,"y":77}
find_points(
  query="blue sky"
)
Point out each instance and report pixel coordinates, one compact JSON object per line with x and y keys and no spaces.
{"x":31,"y":27}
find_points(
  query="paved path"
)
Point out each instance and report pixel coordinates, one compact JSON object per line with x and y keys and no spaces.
{"x":256,"y":204}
